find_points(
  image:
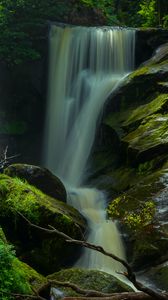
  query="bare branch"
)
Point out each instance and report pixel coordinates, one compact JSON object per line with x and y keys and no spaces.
{"x":5,"y":159}
{"x":23,"y":296}
{"x":129,"y":274}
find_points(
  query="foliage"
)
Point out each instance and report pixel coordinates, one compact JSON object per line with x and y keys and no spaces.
{"x":136,"y":218}
{"x":23,"y":23}
{"x":165,"y":21}
{"x":148,"y":13}
{"x":12,"y":280}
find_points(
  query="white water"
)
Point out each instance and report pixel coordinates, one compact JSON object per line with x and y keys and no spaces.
{"x":86,"y":66}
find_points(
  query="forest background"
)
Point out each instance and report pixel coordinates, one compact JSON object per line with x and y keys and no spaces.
{"x":22,"y":21}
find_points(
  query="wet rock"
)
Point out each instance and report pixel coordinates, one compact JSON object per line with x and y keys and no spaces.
{"x":138,"y":114}
{"x":157,"y":276}
{"x":44,"y":251}
{"x":143,"y":212}
{"x":40,"y":177}
{"x":89,"y":280}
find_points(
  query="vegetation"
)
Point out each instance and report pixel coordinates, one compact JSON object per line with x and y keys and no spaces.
{"x":22,"y":22}
{"x":136,"y":218}
{"x":12,"y":277}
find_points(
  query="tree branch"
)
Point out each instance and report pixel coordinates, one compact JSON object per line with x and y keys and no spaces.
{"x":129,"y":274}
{"x":22,"y":296}
{"x":5,"y":159}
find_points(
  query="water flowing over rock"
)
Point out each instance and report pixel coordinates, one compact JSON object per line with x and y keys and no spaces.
{"x":86,"y":66}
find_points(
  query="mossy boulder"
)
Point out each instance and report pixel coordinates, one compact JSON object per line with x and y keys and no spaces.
{"x":46,"y":252}
{"x":148,"y":140}
{"x":143,"y":210}
{"x":89,"y":280}
{"x":16,"y":276}
{"x":40,"y":177}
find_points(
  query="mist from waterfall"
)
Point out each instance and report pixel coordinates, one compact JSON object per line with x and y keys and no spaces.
{"x":86,"y":66}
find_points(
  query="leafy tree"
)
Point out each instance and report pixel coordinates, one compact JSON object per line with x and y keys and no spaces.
{"x":149,"y":13}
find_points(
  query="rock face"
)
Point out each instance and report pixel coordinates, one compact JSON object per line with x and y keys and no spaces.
{"x":40,"y":177}
{"x":148,"y":39}
{"x":89,"y":280}
{"x":158,"y":276}
{"x":137,"y":181}
{"x":45,"y":252}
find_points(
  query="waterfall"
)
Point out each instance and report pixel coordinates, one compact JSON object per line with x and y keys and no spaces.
{"x":86,"y":66}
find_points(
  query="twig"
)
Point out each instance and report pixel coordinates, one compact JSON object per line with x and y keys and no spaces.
{"x":22,"y":296}
{"x":129,"y":274}
{"x":5,"y":159}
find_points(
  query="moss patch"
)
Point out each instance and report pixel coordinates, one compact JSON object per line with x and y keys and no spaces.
{"x":89,"y":279}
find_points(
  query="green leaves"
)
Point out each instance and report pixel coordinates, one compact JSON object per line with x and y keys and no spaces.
{"x":148,"y":13}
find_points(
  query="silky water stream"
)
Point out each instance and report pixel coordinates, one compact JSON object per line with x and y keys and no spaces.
{"x":86,"y":66}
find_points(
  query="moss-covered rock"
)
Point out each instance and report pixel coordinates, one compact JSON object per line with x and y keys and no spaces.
{"x":149,"y":139}
{"x":138,"y":114}
{"x":143,"y":211}
{"x":89,"y":280}
{"x":40,"y":177}
{"x":16,"y":276}
{"x":40,"y":249}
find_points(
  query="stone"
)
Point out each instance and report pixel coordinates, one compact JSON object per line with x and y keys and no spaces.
{"x":142,"y":210}
{"x":43,"y":251}
{"x":40,"y":177}
{"x":89,"y":280}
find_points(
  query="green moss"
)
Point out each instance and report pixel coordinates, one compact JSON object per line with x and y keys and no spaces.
{"x":45,"y":251}
{"x":141,"y":71}
{"x":137,"y":210}
{"x":89,"y":279}
{"x":136,"y":216}
{"x":12,"y":279}
{"x":158,"y":104}
{"x":151,"y":133}
{"x":34,"y":279}
{"x":17,"y":195}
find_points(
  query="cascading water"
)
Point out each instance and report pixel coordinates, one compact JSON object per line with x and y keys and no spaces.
{"x":86,"y":66}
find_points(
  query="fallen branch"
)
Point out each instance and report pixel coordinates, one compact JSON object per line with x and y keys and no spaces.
{"x":130,"y":275}
{"x":22,"y":296}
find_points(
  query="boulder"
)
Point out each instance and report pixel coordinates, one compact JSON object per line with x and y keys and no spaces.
{"x":44,"y":251}
{"x":143,"y":212}
{"x":40,"y":177}
{"x":16,"y":276}
{"x":89,"y":280}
